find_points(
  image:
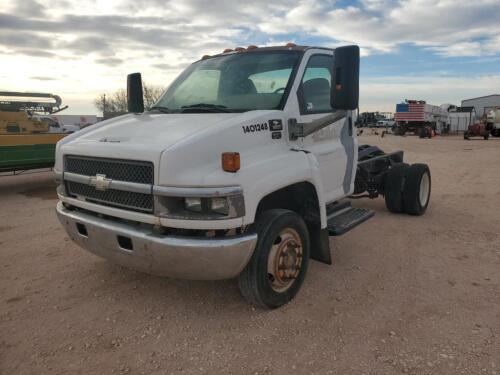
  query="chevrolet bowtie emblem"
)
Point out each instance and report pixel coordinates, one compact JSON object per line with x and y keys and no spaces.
{"x":100,"y":182}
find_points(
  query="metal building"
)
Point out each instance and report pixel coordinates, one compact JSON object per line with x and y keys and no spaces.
{"x":459,"y":118}
{"x":482,"y":104}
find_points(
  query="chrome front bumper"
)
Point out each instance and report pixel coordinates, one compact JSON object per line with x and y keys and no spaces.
{"x":173,"y":256}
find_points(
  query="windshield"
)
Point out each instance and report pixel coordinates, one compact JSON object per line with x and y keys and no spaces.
{"x":232,"y":83}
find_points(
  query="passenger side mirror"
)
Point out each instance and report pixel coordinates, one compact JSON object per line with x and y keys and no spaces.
{"x":135,"y":99}
{"x":345,"y":78}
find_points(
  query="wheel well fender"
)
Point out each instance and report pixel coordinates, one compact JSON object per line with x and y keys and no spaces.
{"x":309,"y":187}
{"x":300,"y":197}
{"x":304,"y":199}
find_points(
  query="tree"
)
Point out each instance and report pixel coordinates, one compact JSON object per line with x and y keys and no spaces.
{"x":151,"y":94}
{"x":116,"y":103}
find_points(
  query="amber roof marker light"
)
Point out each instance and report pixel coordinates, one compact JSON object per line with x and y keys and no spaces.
{"x":231,"y":161}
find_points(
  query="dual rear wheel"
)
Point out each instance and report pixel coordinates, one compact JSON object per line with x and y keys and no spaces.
{"x":408,"y":188}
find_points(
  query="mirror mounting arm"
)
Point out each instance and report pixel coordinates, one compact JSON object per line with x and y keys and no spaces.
{"x":300,"y":130}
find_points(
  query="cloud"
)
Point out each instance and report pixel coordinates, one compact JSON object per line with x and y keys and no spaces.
{"x":30,"y":8}
{"x":24,"y":39}
{"x":86,"y":44}
{"x":109,"y":39}
{"x":381,"y":26}
{"x":36,"y":53}
{"x":167,"y":66}
{"x":448,"y":28}
{"x":112,"y":61}
{"x":40,"y":78}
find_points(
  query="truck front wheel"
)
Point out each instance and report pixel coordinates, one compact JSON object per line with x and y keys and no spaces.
{"x":278,"y":265}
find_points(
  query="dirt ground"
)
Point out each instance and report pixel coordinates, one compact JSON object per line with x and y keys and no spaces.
{"x":415,"y":295}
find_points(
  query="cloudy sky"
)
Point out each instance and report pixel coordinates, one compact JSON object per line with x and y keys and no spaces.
{"x":440,"y":51}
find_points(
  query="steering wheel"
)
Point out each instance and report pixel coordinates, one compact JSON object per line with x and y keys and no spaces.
{"x":279,"y":89}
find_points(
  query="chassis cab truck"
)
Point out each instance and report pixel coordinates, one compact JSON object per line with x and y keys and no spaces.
{"x":242,"y":169}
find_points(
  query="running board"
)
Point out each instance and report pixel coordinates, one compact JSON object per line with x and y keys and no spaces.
{"x":346,"y":218}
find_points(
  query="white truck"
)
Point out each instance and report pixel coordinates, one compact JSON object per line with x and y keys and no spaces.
{"x":242,"y":169}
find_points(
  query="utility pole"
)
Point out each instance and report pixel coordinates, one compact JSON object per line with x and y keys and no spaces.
{"x":104,"y":105}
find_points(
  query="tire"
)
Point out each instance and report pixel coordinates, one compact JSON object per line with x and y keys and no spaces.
{"x":262,"y":283}
{"x":466,"y":135}
{"x":486,"y":136}
{"x":393,"y":187}
{"x":417,"y":189}
{"x":422,"y":133}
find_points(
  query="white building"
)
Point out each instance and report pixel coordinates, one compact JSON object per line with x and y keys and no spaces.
{"x":460,"y":118}
{"x":482,"y":104}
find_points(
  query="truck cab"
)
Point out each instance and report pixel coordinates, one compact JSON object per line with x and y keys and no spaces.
{"x":240,"y":170}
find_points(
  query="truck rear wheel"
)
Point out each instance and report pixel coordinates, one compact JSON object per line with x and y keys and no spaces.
{"x":417,"y":189}
{"x":275,"y":273}
{"x":393,"y":187}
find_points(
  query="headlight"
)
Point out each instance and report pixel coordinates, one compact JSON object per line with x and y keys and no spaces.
{"x":219,"y":205}
{"x":199,"y":208}
{"x":192,"y":204}
{"x":207,"y":205}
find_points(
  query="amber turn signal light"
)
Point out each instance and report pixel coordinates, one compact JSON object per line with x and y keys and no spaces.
{"x":231,"y":161}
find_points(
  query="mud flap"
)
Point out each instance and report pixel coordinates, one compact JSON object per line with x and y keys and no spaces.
{"x":320,"y":244}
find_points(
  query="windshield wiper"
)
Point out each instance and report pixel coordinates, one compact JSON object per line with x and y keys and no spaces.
{"x":160,"y":109}
{"x":206,"y":106}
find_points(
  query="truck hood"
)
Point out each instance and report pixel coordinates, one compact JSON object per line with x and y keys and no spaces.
{"x":142,"y":136}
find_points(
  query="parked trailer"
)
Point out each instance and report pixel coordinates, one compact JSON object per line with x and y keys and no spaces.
{"x":27,"y":139}
{"x":418,"y":117}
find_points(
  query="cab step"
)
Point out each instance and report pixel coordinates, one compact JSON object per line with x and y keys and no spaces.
{"x":345,"y":218}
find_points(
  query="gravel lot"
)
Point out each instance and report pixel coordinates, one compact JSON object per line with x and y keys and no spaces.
{"x":416,"y":295}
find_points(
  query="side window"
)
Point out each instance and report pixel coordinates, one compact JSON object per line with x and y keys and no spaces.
{"x":314,"y":92}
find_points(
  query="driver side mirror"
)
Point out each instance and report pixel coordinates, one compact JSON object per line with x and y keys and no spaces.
{"x":135,"y":99}
{"x":345,"y":78}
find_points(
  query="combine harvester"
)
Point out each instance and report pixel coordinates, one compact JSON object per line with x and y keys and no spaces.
{"x":420,"y":118}
{"x":28,"y":137}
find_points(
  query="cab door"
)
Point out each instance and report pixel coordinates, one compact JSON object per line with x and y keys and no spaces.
{"x":334,"y":145}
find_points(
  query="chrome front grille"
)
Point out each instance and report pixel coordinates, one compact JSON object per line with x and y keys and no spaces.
{"x":111,"y":197}
{"x":117,"y":170}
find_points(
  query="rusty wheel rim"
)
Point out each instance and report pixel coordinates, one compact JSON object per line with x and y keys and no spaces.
{"x":285,"y":260}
